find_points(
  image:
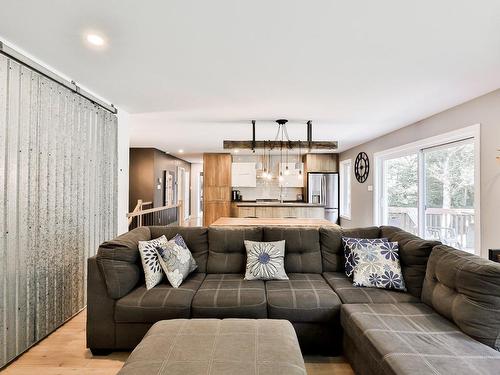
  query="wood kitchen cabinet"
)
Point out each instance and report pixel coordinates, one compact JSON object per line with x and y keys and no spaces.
{"x":216,"y":187}
{"x":321,"y":162}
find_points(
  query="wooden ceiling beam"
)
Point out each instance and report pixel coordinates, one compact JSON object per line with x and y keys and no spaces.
{"x":313,"y":145}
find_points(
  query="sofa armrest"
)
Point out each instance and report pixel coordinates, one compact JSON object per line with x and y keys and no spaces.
{"x":118,"y":260}
{"x":100,"y":310}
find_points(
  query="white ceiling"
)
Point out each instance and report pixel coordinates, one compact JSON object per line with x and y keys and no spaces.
{"x":196,"y":72}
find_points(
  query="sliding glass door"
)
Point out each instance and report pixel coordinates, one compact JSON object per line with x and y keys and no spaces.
{"x":400,"y":182}
{"x":429,"y":190}
{"x":449,"y":194}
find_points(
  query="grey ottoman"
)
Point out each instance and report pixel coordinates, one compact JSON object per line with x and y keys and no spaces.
{"x":216,"y":347}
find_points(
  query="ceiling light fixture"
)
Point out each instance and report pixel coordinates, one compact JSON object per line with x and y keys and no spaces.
{"x":181,"y":151}
{"x":95,"y":40}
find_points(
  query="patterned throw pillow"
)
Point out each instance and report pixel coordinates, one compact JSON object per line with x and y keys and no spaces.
{"x":152,"y":269}
{"x":180,"y":241}
{"x":378,"y":267}
{"x":265,"y":260}
{"x":351,"y":244}
{"x":176,"y":260}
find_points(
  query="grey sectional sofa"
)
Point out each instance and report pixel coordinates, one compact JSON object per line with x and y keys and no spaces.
{"x":450,"y":316}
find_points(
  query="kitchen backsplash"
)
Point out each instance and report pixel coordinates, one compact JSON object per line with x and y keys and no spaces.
{"x":266,"y":189}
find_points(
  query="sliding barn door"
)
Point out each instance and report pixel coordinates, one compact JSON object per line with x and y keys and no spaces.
{"x":58,"y":198}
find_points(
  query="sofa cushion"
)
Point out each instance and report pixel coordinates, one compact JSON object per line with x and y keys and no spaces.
{"x":118,"y":260}
{"x":342,"y":285}
{"x":413,"y":253}
{"x":332,"y":250}
{"x":230,"y":296}
{"x":159,"y":303}
{"x":409,"y":338}
{"x":227,"y":253}
{"x":302,"y":247}
{"x":465,"y":289}
{"x":303,"y":298}
{"x":196,"y":239}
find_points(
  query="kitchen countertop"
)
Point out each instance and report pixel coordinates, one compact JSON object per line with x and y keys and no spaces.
{"x":278,"y":204}
{"x":259,"y":222}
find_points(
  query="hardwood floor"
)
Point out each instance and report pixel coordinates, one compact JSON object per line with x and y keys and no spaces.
{"x":64,"y":352}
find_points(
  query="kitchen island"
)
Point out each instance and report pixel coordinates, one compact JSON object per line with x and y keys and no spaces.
{"x":256,"y":222}
{"x":276,"y":209}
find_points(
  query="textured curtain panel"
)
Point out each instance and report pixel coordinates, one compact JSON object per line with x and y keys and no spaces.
{"x":58,"y":198}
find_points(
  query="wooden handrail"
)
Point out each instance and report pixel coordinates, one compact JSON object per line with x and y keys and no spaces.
{"x":137,"y":208}
{"x":149,"y":210}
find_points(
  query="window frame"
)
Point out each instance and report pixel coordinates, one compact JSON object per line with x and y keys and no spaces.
{"x":471,"y":132}
{"x":345,"y":209}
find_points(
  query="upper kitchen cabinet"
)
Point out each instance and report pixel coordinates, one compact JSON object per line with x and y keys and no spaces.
{"x":321,"y":163}
{"x":291,"y":177}
{"x":243,"y":175}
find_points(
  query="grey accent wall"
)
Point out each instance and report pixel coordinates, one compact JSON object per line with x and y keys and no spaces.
{"x":58,"y":199}
{"x":484,"y":110}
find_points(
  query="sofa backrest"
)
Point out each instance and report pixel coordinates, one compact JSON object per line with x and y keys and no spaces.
{"x":226,"y":248}
{"x":332,"y":249}
{"x":196,"y":239}
{"x":118,"y":260}
{"x":414,"y":253}
{"x":302,"y":247}
{"x":465,"y":289}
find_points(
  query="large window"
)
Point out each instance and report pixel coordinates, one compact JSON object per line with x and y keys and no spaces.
{"x":427,"y":188}
{"x":345,"y":188}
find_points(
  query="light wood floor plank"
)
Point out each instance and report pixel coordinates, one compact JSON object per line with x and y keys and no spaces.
{"x":64,"y":353}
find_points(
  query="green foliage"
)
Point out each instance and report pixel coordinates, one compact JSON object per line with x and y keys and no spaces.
{"x":449,"y":176}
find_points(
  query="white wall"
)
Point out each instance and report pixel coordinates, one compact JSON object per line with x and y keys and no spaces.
{"x":123,"y":169}
{"x":196,"y":168}
{"x":484,"y":110}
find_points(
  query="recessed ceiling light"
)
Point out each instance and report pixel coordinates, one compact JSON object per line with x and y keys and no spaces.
{"x":236,"y":150}
{"x":181,"y":151}
{"x":95,"y":40}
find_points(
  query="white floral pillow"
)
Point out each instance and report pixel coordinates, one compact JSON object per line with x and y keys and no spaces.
{"x":378,"y":266}
{"x":265,"y":260}
{"x":176,"y":261}
{"x":152,"y":269}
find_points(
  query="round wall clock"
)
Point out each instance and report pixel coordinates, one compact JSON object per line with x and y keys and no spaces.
{"x":361,"y":167}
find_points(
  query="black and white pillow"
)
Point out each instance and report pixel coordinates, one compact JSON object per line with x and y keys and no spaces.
{"x":265,"y":260}
{"x":352,"y":244}
{"x":379,"y":267}
{"x":153,"y":272}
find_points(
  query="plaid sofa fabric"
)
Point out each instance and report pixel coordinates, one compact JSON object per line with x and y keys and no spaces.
{"x":348,"y":293}
{"x":409,"y":338}
{"x":302,"y":247}
{"x":303,"y":298}
{"x":212,"y":346}
{"x":465,"y":289}
{"x":227,"y":253}
{"x":196,"y":239}
{"x":161,"y":302}
{"x":230,"y":296}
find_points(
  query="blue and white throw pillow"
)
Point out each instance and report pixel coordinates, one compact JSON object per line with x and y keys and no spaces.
{"x":265,"y":260}
{"x":176,"y":260}
{"x":152,"y":268}
{"x":378,"y":267}
{"x":351,"y":244}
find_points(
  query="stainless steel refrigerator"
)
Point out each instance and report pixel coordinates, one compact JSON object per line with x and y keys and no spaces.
{"x":323,"y":188}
